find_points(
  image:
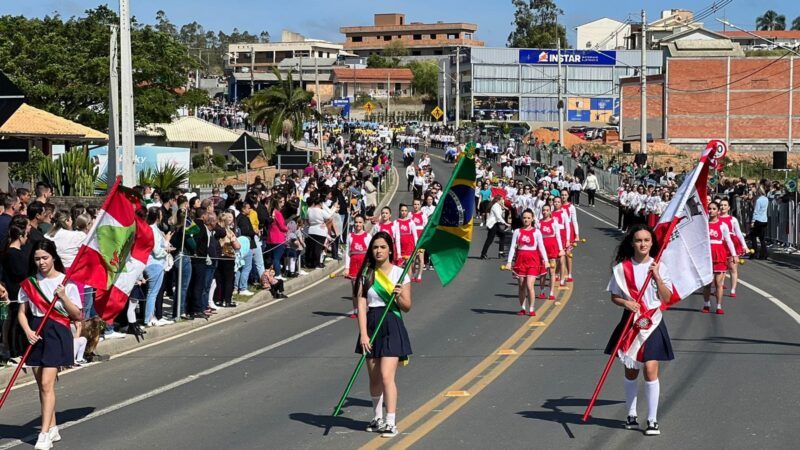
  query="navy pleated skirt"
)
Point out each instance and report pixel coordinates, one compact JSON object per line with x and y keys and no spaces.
{"x":392,"y":338}
{"x":657,"y":347}
{"x":55,"y":349}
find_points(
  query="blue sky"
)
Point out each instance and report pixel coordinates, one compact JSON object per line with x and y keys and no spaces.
{"x":322,"y":18}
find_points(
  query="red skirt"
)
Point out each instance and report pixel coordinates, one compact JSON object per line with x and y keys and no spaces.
{"x":551,"y":247}
{"x":355,"y":264}
{"x":719,"y":257}
{"x":737,"y":245}
{"x":528,"y":263}
{"x":406,"y":245}
{"x":652,"y":220}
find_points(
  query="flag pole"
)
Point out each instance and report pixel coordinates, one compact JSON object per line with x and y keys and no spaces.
{"x":406,"y":268}
{"x":704,"y":160}
{"x":47,"y":313}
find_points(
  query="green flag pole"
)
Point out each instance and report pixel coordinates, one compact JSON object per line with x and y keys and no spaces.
{"x":423,"y":237}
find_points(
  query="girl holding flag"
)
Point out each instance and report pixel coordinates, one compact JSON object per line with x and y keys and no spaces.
{"x":528,"y":247}
{"x":378,"y":279}
{"x":647,"y":341}
{"x":721,"y":248}
{"x":52,"y":348}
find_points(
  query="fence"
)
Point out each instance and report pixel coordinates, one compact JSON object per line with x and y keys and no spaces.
{"x":782,"y":219}
{"x":607,"y":181}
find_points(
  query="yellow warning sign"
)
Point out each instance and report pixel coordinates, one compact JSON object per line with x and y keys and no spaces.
{"x":369,"y":107}
{"x":437,"y":113}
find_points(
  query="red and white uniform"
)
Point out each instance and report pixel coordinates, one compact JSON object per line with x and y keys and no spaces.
{"x":357,"y":245}
{"x":572,"y":214}
{"x":551,"y":235}
{"x":739,"y":242}
{"x":562,"y":217}
{"x":527,"y":245}
{"x":420,"y":220}
{"x":721,"y":245}
{"x":391,"y":228}
{"x":408,"y":236}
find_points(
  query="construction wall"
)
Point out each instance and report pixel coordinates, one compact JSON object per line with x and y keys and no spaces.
{"x":630,"y":108}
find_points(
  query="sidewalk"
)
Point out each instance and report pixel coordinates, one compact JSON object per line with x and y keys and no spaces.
{"x":111,"y":347}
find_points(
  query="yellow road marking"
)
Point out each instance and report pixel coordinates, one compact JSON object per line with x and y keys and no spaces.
{"x":457,"y":394}
{"x":476,"y":379}
{"x":537,"y":324}
{"x":507,"y":351}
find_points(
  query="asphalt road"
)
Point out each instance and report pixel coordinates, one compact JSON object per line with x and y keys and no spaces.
{"x":480,"y":376}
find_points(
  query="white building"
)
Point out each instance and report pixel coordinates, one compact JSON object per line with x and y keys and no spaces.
{"x":602,"y":34}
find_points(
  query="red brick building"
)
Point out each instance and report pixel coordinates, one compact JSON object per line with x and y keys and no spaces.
{"x":751,"y":103}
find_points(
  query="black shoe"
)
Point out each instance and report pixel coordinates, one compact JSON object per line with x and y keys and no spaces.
{"x":632,"y":423}
{"x":652,"y":429}
{"x":187,"y":317}
{"x":484,"y":257}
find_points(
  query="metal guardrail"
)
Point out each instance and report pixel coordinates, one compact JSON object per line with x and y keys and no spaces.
{"x":607,"y":181}
{"x":783,"y":217}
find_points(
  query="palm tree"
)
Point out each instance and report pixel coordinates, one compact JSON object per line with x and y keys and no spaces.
{"x":771,"y":21}
{"x":284,"y":107}
{"x":796,"y":23}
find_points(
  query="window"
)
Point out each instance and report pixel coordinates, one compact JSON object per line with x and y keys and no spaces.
{"x":437,"y":52}
{"x":357,"y":39}
{"x":417,"y":37}
{"x":387,"y":38}
{"x":467,"y":35}
{"x":381,"y":85}
{"x":433,"y":36}
{"x":415,"y":53}
{"x":452,"y":36}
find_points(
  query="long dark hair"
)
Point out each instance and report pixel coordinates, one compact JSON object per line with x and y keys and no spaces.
{"x":50,"y":247}
{"x":366,"y":273}
{"x":625,"y":249}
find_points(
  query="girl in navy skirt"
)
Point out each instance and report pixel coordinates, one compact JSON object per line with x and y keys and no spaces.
{"x":52,"y":349}
{"x":392,"y":343}
{"x":647,"y":341}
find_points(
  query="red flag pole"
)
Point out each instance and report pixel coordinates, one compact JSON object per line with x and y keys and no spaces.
{"x":704,"y":160}
{"x":46,"y":316}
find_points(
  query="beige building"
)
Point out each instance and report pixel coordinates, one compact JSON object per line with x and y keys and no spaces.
{"x":603,"y":34}
{"x":421,"y":39}
{"x":373,"y":82}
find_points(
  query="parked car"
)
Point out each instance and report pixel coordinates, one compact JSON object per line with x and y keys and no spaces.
{"x":579,"y":131}
{"x":592,"y":133}
{"x":517,"y":133}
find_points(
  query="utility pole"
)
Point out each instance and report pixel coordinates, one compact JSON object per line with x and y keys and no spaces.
{"x":126,"y":69}
{"x":319,"y":106}
{"x":444,"y":90}
{"x":458,"y":85}
{"x":560,"y":96}
{"x":252,"y":70}
{"x":643,"y":77}
{"x":113,"y":108}
{"x":388,"y":95}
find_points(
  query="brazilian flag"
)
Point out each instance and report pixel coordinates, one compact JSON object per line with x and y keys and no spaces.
{"x":448,"y":234}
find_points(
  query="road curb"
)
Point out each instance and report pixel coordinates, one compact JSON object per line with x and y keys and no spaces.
{"x":112,"y":347}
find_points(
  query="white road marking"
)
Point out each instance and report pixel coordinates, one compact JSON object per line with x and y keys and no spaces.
{"x":783,"y":306}
{"x":178,"y":383}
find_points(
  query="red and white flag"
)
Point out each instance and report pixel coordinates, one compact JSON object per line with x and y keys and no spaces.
{"x":686,"y":254}
{"x":113,"y":256}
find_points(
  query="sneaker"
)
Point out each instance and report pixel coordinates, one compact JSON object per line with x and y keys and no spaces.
{"x":705,"y":310}
{"x":162,"y":321}
{"x":569,"y":279}
{"x":375,"y":425}
{"x":532,"y":313}
{"x":353,"y":316}
{"x":53,"y":431}
{"x":720,"y":311}
{"x":302,"y":272}
{"x":521,"y":312}
{"x":115,"y":335}
{"x":388,"y":431}
{"x":632,"y":423}
{"x":416,"y":280}
{"x":44,"y":442}
{"x":652,"y":429}
{"x":542,"y":296}
{"x":280,"y":277}
{"x":246,"y":293}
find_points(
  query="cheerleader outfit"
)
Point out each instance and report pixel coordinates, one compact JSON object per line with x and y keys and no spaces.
{"x":562,"y":217}
{"x":551,"y":235}
{"x":356,"y":252}
{"x":55,"y":349}
{"x":739,"y":243}
{"x":721,"y":245}
{"x":420,"y":220}
{"x":392,"y":339}
{"x":647,"y":339}
{"x":408,"y":236}
{"x":572,"y":218}
{"x":531,"y":257}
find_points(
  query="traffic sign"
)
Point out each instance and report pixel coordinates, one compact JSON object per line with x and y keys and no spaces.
{"x":437,"y":113}
{"x":369,"y":107}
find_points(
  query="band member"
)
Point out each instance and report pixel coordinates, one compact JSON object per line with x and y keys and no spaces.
{"x":551,"y":234}
{"x":392,"y":342}
{"x":407,"y":229}
{"x":722,"y":251}
{"x":739,"y":242}
{"x":529,"y":257}
{"x":53,"y":347}
{"x":385,"y":223}
{"x":647,"y":341}
{"x":562,"y":217}
{"x":357,"y":242}
{"x":420,"y":220}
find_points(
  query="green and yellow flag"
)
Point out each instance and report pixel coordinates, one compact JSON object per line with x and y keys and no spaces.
{"x":448,"y":234}
{"x":383,"y":287}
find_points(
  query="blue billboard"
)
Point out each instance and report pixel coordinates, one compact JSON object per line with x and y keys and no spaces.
{"x":571,"y":57}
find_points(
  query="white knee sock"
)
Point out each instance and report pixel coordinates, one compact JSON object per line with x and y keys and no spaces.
{"x":652,"y":389}
{"x":377,"y":404}
{"x":131,"y":313}
{"x":292,"y":262}
{"x":80,"y":347}
{"x":390,"y":418}
{"x":631,"y":391}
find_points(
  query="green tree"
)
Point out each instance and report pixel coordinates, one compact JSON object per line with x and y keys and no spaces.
{"x":536,"y":25}
{"x":426,"y":77}
{"x":796,"y":23}
{"x":376,"y":61}
{"x":164,"y":25}
{"x":771,"y":21}
{"x":194,"y":98}
{"x":284,"y":107}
